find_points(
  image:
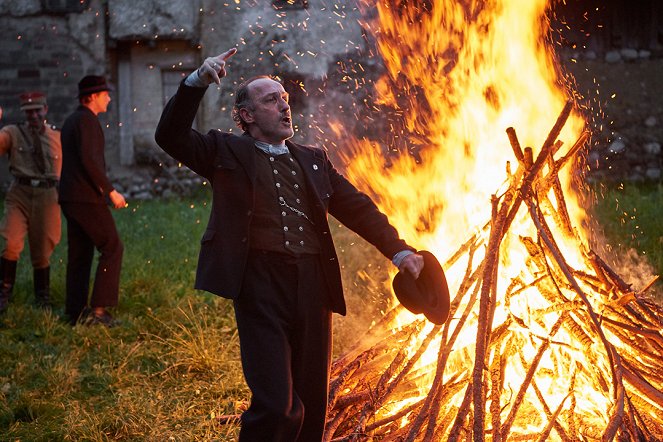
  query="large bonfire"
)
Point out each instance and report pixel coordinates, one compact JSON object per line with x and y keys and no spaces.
{"x":544,"y":341}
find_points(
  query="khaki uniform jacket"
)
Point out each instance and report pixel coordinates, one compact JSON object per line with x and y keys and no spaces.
{"x":16,"y":141}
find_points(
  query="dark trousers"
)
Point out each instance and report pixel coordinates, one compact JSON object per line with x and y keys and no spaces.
{"x":91,"y":226}
{"x":284,"y":326}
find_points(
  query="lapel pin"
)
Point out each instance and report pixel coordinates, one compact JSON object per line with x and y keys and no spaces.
{"x":315,"y":167}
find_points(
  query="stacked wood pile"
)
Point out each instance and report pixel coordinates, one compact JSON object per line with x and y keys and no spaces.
{"x":587,"y":363}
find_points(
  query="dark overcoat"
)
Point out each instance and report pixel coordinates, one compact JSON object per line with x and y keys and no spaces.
{"x":227,"y":161}
{"x":83,"y":178}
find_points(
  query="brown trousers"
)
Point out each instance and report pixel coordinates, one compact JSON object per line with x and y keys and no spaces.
{"x":31,"y":211}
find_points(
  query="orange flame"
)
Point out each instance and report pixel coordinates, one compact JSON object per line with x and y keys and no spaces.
{"x":478,"y":69}
{"x":458,"y":73}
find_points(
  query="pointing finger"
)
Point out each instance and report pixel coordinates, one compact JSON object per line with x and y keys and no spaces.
{"x":229,"y":53}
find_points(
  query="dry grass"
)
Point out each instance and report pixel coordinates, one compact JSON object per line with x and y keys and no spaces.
{"x":172,"y":367}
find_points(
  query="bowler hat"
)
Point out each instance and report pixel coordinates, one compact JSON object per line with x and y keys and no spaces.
{"x":32,"y":100}
{"x":428,"y":294}
{"x":91,"y":84}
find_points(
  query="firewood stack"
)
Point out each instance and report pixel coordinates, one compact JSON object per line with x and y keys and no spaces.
{"x":585,"y":364}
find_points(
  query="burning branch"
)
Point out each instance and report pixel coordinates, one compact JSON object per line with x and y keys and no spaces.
{"x":393,"y":390}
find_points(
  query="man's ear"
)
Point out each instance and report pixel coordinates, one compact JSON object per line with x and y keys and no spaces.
{"x":246,"y":115}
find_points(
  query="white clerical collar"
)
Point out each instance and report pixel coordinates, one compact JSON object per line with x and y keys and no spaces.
{"x":272,"y":149}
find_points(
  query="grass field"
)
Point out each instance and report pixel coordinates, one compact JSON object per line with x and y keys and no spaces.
{"x":631,"y":219}
{"x":172,"y":367}
{"x":163,"y":375}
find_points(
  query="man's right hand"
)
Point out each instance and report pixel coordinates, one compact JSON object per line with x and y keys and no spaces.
{"x":117,"y":199}
{"x":413,"y":263}
{"x":213,"y":69}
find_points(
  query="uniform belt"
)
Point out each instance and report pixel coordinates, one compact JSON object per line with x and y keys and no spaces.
{"x":36,"y":182}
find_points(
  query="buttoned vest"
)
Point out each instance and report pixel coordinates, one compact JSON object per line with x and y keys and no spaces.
{"x":282,"y":220}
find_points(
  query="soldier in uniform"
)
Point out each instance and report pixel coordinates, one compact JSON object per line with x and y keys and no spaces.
{"x":31,"y":204}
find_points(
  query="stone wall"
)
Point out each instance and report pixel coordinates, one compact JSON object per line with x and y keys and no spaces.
{"x":50,"y":48}
{"x":145,"y":48}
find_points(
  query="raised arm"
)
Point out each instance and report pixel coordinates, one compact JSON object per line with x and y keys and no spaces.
{"x":213,"y":69}
{"x":174,"y":133}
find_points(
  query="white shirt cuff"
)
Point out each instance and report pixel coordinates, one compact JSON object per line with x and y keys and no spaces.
{"x":400,"y":256}
{"x":194,"y":80}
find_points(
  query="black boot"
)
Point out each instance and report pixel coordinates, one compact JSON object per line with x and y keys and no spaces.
{"x":42,"y":287}
{"x":8,"y":275}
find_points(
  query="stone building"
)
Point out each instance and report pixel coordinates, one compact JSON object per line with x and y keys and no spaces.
{"x":146,"y":47}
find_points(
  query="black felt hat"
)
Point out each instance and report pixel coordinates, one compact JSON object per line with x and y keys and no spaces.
{"x":428,"y":294}
{"x":91,"y":84}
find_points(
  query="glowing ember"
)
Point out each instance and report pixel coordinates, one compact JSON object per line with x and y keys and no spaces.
{"x":545,"y":341}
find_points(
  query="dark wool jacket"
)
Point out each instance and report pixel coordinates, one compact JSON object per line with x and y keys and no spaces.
{"x":83,"y":178}
{"x":227,"y":161}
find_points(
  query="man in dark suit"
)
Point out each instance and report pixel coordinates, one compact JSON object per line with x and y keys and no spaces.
{"x":84,"y":194}
{"x":268,"y":246}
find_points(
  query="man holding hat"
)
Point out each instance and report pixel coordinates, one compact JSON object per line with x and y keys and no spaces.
{"x":31,"y":204}
{"x":268,"y":245}
{"x":85,"y":192}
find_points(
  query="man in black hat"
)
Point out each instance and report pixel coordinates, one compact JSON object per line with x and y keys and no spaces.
{"x":31,"y":204}
{"x":85,"y":191}
{"x":268,"y":246}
